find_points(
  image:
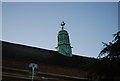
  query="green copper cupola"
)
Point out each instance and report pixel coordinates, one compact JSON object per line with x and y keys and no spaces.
{"x":64,"y":46}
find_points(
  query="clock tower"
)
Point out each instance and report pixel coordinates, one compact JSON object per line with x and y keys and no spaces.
{"x":64,"y":46}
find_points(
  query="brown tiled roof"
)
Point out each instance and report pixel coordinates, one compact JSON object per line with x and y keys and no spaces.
{"x":37,"y":55}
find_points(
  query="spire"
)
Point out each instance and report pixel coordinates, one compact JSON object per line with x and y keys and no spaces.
{"x":62,"y":24}
{"x":63,"y":42}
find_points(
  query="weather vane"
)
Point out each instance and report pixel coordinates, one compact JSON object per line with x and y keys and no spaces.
{"x":62,"y":24}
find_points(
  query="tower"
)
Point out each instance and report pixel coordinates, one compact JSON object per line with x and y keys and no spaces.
{"x":64,"y":46}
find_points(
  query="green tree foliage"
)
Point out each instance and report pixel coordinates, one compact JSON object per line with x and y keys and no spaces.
{"x":107,"y":66}
{"x":112,"y":50}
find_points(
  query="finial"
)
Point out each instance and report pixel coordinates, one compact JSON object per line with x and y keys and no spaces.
{"x":62,"y":24}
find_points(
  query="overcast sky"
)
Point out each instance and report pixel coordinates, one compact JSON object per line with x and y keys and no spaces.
{"x":38,"y":23}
